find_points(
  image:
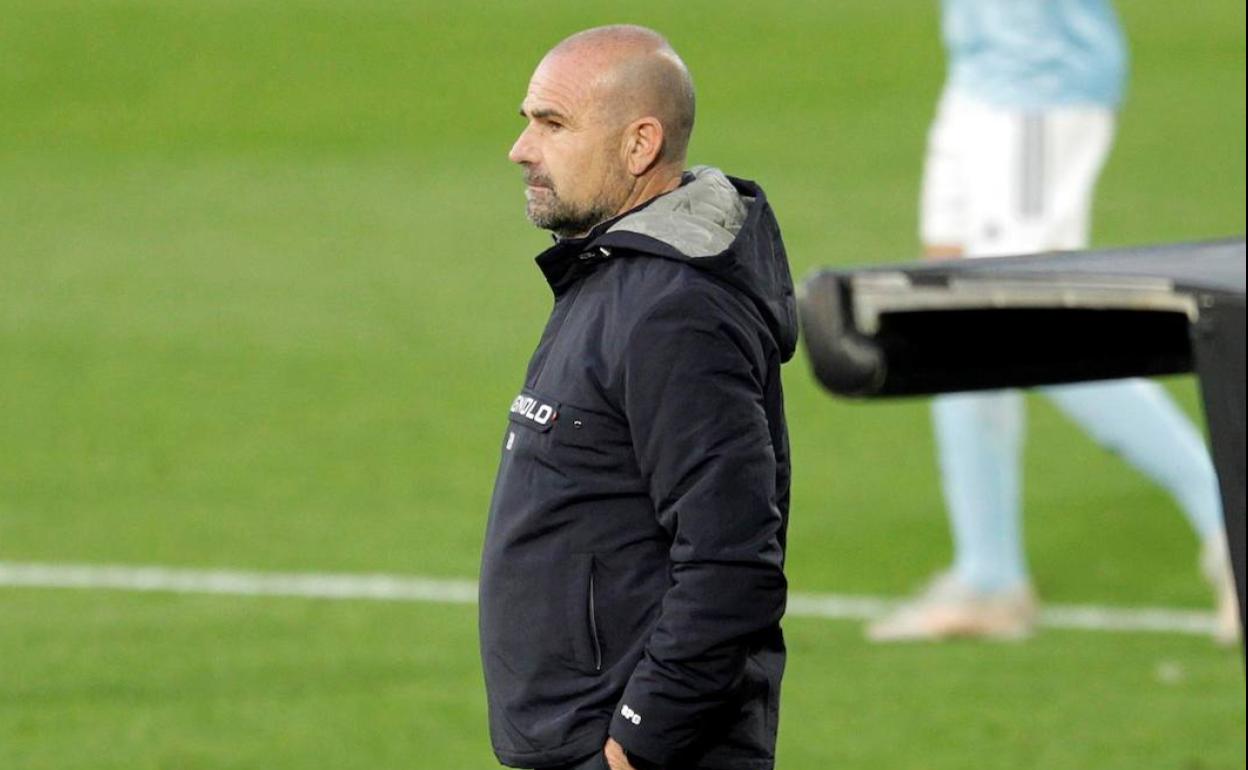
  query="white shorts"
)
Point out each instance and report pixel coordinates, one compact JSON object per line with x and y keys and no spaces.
{"x":999,"y":182}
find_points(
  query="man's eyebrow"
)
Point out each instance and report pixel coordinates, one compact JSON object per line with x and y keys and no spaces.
{"x":542,"y":113}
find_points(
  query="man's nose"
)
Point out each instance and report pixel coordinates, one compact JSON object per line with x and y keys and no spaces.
{"x":523,"y":151}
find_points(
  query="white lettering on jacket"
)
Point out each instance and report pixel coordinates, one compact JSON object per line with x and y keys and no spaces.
{"x":532,"y":409}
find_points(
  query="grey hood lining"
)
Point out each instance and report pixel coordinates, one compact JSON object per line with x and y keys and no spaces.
{"x":698,"y":219}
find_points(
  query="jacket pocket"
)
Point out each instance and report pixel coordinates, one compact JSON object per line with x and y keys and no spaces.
{"x":594,"y":442}
{"x":535,"y":618}
{"x":582,"y":617}
{"x":595,"y":638}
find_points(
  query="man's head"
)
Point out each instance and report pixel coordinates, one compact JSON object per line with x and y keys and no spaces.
{"x":609,"y":113}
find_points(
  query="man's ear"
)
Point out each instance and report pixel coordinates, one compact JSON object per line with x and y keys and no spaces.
{"x":643,"y":142}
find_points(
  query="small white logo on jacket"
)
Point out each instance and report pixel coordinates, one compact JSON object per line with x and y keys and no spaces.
{"x":532,"y":409}
{"x":630,"y":715}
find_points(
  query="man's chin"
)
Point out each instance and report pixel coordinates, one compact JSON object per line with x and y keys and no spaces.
{"x":560,"y":221}
{"x":539,"y":217}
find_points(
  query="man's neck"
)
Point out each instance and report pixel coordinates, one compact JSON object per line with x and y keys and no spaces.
{"x":645,"y":190}
{"x":651,"y":186}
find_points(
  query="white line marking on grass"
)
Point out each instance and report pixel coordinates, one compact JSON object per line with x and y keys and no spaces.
{"x":437,"y":590}
{"x":236,"y":583}
{"x":1085,"y":617}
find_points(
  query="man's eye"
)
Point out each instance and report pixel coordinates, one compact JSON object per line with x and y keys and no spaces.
{"x":552,"y":126}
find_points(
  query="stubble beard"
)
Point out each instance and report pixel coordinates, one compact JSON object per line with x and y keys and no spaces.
{"x":547,"y":210}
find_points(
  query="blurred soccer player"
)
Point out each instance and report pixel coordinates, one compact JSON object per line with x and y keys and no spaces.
{"x":1022,"y":129}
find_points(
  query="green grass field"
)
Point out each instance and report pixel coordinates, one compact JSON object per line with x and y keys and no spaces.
{"x":266,"y":292}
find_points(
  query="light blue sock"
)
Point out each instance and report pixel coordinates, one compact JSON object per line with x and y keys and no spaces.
{"x":979,"y":441}
{"x":1137,"y":419}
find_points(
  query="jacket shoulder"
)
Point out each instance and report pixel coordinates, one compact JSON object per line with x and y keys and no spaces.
{"x":654,"y":285}
{"x":664,"y":301}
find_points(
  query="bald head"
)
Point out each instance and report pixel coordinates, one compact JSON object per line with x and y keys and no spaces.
{"x":608,"y":116}
{"x":635,"y":73}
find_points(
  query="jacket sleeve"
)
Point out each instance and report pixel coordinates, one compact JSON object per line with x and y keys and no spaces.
{"x":694,"y":387}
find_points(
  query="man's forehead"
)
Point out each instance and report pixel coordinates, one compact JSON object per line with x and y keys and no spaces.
{"x":563,"y":84}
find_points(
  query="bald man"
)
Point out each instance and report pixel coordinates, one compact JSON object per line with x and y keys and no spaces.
{"x":632,"y":578}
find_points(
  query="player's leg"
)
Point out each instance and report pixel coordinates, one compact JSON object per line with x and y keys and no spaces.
{"x":986,"y":593}
{"x":1135,"y":418}
{"x":1138,"y":420}
{"x":943,"y":197}
{"x":978,"y":436}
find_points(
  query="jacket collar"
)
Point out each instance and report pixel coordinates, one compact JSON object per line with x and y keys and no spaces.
{"x":565,"y":262}
{"x":569,"y":259}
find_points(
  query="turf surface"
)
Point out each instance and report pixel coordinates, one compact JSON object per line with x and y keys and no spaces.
{"x":266,"y":290}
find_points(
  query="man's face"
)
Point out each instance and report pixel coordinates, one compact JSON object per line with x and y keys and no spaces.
{"x":570,"y":150}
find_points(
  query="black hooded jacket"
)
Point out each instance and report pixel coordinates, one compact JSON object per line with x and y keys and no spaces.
{"x":632,"y":577}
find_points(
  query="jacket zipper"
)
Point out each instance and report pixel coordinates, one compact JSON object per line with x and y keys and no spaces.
{"x":593,"y":626}
{"x":554,"y":335}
